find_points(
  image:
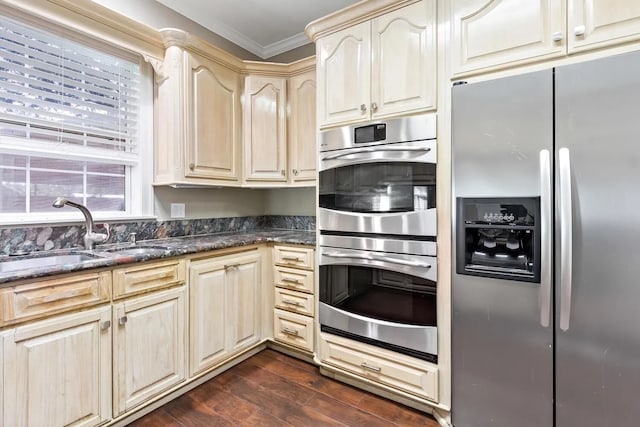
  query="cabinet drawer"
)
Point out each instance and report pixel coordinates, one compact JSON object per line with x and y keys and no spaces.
{"x":294,"y":301}
{"x":294,"y":257}
{"x":145,"y":277}
{"x":293,"y":329}
{"x":47,"y":297}
{"x":291,"y":278}
{"x":396,"y":370}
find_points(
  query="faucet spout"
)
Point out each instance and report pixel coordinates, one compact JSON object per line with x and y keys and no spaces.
{"x":90,"y":238}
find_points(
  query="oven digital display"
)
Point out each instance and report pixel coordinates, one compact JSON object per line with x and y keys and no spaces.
{"x":370,"y":133}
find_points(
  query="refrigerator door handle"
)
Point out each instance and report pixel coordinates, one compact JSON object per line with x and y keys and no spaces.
{"x":546,"y":243}
{"x":566,"y":227}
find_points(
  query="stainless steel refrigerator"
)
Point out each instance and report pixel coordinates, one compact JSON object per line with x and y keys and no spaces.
{"x":546,"y":275}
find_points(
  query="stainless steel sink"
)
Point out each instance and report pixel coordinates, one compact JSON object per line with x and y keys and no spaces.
{"x":40,"y":261}
{"x":138,"y":250}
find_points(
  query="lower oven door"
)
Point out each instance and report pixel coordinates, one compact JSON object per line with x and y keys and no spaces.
{"x":384,"y":299}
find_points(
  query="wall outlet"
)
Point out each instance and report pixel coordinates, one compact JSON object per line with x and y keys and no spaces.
{"x":177,"y":210}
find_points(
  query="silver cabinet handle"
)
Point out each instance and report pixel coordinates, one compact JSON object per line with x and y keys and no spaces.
{"x":363,"y":107}
{"x":122,"y":320}
{"x":291,"y":258}
{"x":557,"y":36}
{"x":295,"y":172}
{"x":546,"y":244}
{"x":579,"y":30}
{"x":365,"y":365}
{"x":287,"y":280}
{"x":282,"y":172}
{"x":231,"y":267}
{"x":289,"y":331}
{"x":105,"y":325}
{"x":376,"y":258}
{"x":566,"y":228}
{"x":374,"y":149}
{"x":192,"y":166}
{"x":374,"y":107}
{"x":290,"y":302}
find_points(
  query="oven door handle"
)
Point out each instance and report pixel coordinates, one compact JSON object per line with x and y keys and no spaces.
{"x":375,"y":149}
{"x":375,"y":258}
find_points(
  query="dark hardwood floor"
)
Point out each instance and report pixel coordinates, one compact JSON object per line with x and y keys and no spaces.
{"x":272,"y":389}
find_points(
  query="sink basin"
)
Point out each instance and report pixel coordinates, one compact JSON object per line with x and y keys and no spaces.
{"x":139,"y":250}
{"x":43,"y":261}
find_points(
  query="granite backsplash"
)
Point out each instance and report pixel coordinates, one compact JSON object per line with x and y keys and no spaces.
{"x":28,"y":239}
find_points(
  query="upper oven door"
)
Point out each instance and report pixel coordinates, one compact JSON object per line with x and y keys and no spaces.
{"x":388,"y":189}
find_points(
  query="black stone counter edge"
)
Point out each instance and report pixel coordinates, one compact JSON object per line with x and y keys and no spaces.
{"x":170,"y":247}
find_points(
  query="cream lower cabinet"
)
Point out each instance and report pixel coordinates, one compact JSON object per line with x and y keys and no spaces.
{"x":57,"y":372}
{"x":382,"y":67}
{"x":225,"y":307}
{"x":381,"y":366}
{"x":149,"y":339}
{"x":494,"y":34}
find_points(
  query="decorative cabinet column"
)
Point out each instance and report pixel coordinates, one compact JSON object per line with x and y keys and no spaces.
{"x":264,"y":123}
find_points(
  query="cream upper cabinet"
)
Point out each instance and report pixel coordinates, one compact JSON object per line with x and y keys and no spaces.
{"x":213,"y":120}
{"x":225,"y":312}
{"x":600,"y":23}
{"x":302,"y":127}
{"x":149,"y":341}
{"x":403,"y":68}
{"x":380,"y":67}
{"x":58,"y":371}
{"x":198,"y":121}
{"x":494,"y":34}
{"x":264,"y":129}
{"x":344,"y":73}
{"x":488,"y":33}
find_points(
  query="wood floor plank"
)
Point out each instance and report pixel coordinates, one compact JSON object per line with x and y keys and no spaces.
{"x":273,"y":389}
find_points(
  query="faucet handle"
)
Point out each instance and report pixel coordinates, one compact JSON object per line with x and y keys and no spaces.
{"x":101,"y":237}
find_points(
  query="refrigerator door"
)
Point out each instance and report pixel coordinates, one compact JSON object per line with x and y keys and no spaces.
{"x":502,"y":355}
{"x":598,"y":332}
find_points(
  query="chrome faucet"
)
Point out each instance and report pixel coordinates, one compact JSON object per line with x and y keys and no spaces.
{"x":90,"y":238}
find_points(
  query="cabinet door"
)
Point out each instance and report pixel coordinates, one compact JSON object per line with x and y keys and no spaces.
{"x":403,"y":74}
{"x":265,"y":143}
{"x":208,"y":313}
{"x":302,"y":127}
{"x":600,"y":23}
{"x":149,"y":347}
{"x":499,"y":33}
{"x":59,"y":371}
{"x":344,"y":75}
{"x":245,"y":297}
{"x":213,"y":120}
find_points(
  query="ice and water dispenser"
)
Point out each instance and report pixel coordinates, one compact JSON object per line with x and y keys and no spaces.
{"x":499,"y":238}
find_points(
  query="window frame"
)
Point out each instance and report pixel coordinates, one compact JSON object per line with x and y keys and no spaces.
{"x":139,"y":203}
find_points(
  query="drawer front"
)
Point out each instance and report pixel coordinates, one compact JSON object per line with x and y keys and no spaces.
{"x":145,"y":277}
{"x":39,"y":299}
{"x":294,"y":301}
{"x":293,"y":329}
{"x":294,"y":257}
{"x":291,"y":278}
{"x":395,"y":370}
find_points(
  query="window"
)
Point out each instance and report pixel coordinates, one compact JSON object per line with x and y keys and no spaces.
{"x":70,"y":125}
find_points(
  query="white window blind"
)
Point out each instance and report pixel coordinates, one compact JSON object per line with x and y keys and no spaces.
{"x":69,"y":122}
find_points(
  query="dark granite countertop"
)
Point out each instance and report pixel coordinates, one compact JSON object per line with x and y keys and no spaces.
{"x":112,"y":255}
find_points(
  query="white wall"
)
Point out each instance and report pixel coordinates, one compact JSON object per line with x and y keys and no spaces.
{"x":290,"y":201}
{"x":210,"y":203}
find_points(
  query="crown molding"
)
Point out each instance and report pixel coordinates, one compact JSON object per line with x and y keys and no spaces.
{"x":284,"y":45}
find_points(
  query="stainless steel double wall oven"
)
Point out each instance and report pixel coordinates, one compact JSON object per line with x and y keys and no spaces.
{"x":377,"y":220}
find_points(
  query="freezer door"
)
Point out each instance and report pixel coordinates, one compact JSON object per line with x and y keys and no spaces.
{"x":598,"y":310}
{"x":502,"y":355}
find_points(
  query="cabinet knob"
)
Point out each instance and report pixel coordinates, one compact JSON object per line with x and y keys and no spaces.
{"x":122,"y":320}
{"x":557,"y":36}
{"x":579,"y":30}
{"x":363,"y":107}
{"x":295,"y":171}
{"x":374,"y":107}
{"x":192,"y":166}
{"x":105,"y":325}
